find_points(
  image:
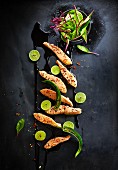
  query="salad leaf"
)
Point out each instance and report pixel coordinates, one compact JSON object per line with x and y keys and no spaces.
{"x":20,"y":125}
{"x":86,"y":50}
{"x":87,"y":19}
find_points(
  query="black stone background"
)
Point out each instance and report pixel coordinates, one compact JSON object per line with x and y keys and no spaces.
{"x":97,"y":77}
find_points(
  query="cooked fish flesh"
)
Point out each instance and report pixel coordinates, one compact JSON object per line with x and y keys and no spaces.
{"x":67,"y":74}
{"x":52,"y":95}
{"x":46,"y":120}
{"x":60,"y":54}
{"x":54,"y":79}
{"x":64,"y":110}
{"x":55,"y":141}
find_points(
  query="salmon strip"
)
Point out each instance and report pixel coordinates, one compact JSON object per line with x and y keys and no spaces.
{"x":55,"y":141}
{"x":46,"y":120}
{"x":67,"y":74}
{"x":56,"y":80}
{"x":52,"y":95}
{"x":64,"y":110}
{"x":59,"y":53}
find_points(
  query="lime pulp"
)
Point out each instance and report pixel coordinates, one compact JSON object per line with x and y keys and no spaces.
{"x":34,"y":55}
{"x":45,"y":105}
{"x":55,"y":70}
{"x":80,"y":97}
{"x":40,"y":135}
{"x":69,"y":124}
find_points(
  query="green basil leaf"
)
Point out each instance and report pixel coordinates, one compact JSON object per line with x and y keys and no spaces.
{"x":77,"y":136}
{"x":80,"y":16}
{"x":84,"y":35}
{"x":73,"y":35}
{"x":86,"y":19}
{"x":20,"y":125}
{"x":86,"y":50}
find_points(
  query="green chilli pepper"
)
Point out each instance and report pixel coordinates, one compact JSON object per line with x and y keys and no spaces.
{"x":78,"y":137}
{"x":58,"y":93}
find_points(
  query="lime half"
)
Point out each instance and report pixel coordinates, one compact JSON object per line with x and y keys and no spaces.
{"x":69,"y":124}
{"x":34,"y":55}
{"x":80,"y":97}
{"x":45,"y":105}
{"x":40,"y":135}
{"x":55,"y":70}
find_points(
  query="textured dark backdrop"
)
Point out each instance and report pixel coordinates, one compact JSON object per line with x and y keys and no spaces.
{"x":97,"y":78}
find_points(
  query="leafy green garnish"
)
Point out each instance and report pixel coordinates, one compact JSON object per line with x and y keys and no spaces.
{"x":20,"y":125}
{"x":72,"y":25}
{"x":77,"y":136}
{"x":58,"y":93}
{"x":86,"y":50}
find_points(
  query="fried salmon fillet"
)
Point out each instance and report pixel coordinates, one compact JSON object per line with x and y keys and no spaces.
{"x":52,"y":95}
{"x":67,"y":74}
{"x":64,"y":110}
{"x":54,"y":79}
{"x":46,"y":120}
{"x":55,"y":141}
{"x":60,"y":54}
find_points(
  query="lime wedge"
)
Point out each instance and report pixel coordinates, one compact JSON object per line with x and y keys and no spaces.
{"x":55,"y":70}
{"x":34,"y":55}
{"x":40,"y":135}
{"x":80,"y":97}
{"x":45,"y":105}
{"x":69,"y":124}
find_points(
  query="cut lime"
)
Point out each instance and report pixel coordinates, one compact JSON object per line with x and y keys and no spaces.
{"x":45,"y":105}
{"x":55,"y":70}
{"x":40,"y":135}
{"x":80,"y":97}
{"x":34,"y":55}
{"x":68,"y":124}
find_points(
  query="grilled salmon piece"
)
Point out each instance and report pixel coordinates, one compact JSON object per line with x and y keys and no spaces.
{"x":64,"y":110}
{"x":46,"y":120}
{"x":60,"y":54}
{"x":67,"y":74}
{"x":55,"y":141}
{"x":52,"y":95}
{"x":54,"y":79}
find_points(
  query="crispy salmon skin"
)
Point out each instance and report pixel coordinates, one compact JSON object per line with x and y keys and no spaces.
{"x":52,"y":95}
{"x":55,"y":141}
{"x":59,"y":53}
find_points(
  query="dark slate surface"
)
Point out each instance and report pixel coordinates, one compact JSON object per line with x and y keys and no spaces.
{"x":97,"y":77}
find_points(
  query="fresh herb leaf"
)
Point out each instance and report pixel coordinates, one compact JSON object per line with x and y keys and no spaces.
{"x":20,"y":125}
{"x":86,"y":19}
{"x":83,"y":31}
{"x":86,"y":50}
{"x":78,"y":137}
